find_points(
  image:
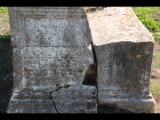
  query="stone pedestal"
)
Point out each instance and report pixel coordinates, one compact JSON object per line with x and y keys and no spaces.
{"x":51,"y":49}
{"x":124,"y":49}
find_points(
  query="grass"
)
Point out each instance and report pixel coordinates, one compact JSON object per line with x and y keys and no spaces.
{"x":156,"y":58}
{"x":149,"y":16}
{"x":156,"y":37}
{"x":3,"y":9}
{"x":155,"y":88}
{"x":4,"y":22}
{"x":4,"y":13}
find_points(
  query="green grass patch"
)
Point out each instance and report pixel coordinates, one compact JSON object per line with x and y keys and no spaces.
{"x":156,"y":60}
{"x":4,"y":13}
{"x":3,"y":9}
{"x":156,"y":37}
{"x":5,"y":37}
{"x":7,"y":33}
{"x":155,"y":88}
{"x":149,"y":16}
{"x":4,"y":22}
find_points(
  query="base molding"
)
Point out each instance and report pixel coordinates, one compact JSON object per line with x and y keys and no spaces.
{"x":136,"y":105}
{"x":73,"y":99}
{"x":31,"y":106}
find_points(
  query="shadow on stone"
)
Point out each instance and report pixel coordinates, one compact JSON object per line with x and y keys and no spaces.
{"x":93,"y":9}
{"x":6,"y":78}
{"x":110,"y":109}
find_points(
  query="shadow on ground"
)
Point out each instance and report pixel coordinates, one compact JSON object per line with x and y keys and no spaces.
{"x":6,"y":78}
{"x":106,"y":109}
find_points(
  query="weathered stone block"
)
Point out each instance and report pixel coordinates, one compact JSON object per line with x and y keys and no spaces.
{"x":31,"y":102}
{"x":52,"y":48}
{"x":124,"y":50}
{"x":76,"y":99}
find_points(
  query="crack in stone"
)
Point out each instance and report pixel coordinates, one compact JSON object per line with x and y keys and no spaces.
{"x":91,"y":73}
{"x":94,"y":55}
{"x":59,"y":87}
{"x":95,"y":61}
{"x":53,"y":102}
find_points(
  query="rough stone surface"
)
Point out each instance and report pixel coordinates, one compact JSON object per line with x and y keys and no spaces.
{"x":51,"y":49}
{"x":31,"y":102}
{"x":52,"y":46}
{"x":76,"y":99}
{"x":124,"y":49}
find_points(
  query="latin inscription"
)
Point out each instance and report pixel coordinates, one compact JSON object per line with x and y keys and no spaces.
{"x":46,"y":65}
{"x":55,"y":52}
{"x":53,"y":32}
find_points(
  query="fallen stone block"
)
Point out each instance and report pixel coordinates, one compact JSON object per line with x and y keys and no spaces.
{"x":124,"y":50}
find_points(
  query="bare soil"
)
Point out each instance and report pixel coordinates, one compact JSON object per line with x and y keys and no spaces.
{"x":4,"y":23}
{"x":155,"y":76}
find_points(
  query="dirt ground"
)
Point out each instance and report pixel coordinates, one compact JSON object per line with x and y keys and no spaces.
{"x":155,"y":76}
{"x":4,"y":25}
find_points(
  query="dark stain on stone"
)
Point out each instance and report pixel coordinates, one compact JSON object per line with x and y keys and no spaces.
{"x":130,"y":56}
{"x":90,"y":76}
{"x":27,"y":71}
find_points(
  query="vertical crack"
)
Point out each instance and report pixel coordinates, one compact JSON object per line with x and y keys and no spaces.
{"x":90,"y":75}
{"x":91,"y":72}
{"x":53,"y":102}
{"x":96,"y":65}
{"x":96,"y":62}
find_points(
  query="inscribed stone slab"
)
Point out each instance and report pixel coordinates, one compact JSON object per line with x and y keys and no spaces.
{"x":51,"y":49}
{"x":53,"y":45}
